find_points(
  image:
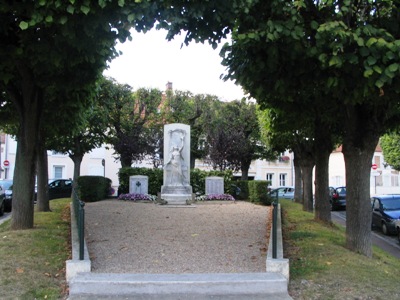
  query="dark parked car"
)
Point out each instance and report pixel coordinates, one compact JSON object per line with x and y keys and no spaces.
{"x":397,"y":225}
{"x":60,"y":188}
{"x":385,"y":212}
{"x":338,"y":199}
{"x":6,"y":193}
{"x":2,"y":201}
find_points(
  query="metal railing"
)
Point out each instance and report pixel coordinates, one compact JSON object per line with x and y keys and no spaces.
{"x":79,"y":210}
{"x":275,"y":226}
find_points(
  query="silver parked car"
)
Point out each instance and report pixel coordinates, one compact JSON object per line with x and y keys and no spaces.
{"x":284,"y":192}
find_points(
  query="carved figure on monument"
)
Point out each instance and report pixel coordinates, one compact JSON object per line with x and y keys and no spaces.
{"x":176,"y":163}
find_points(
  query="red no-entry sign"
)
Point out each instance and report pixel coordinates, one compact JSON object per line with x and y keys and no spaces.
{"x":6,"y":163}
{"x":374,"y":166}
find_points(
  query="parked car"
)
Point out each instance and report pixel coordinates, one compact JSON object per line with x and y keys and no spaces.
{"x":6,"y":186}
{"x":60,"y":188}
{"x":2,"y":201}
{"x":385,"y":212}
{"x":338,"y":198}
{"x":285,"y":192}
{"x":397,"y":225}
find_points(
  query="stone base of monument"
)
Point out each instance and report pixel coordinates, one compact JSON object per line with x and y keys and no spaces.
{"x":176,"y":195}
{"x":177,"y":199}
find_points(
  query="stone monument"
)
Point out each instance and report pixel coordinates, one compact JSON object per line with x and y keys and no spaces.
{"x":138,"y":184}
{"x":214,"y":185}
{"x":176,"y":187}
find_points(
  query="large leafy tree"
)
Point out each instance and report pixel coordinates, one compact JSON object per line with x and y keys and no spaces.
{"x":343,"y":54}
{"x":281,"y":130}
{"x":88,"y":132}
{"x":233,"y":136}
{"x":55,"y":46}
{"x":132,"y":121}
{"x":72,"y":125}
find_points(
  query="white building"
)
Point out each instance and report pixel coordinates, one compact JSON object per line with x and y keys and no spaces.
{"x":384,"y":180}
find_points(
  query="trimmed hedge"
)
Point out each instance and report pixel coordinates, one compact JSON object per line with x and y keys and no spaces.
{"x":94,"y":188}
{"x":240,"y":189}
{"x":258,"y":192}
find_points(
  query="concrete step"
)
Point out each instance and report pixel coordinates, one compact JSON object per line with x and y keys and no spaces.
{"x":232,"y":286}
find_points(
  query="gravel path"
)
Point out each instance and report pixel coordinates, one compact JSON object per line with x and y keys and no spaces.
{"x":212,"y":237}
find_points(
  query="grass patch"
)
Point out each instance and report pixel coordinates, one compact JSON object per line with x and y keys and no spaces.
{"x":322,"y":268}
{"x":32,"y":261}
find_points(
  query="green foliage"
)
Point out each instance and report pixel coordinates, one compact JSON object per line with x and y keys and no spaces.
{"x":93,"y":188}
{"x":233,"y":136}
{"x":133,"y":120}
{"x":258,"y":192}
{"x":243,"y":185}
{"x":390,"y":144}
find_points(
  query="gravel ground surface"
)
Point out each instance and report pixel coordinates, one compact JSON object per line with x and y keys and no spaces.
{"x":208,"y":237}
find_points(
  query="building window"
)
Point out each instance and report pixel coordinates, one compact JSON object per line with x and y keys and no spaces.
{"x":282,"y":179}
{"x":269,"y":177}
{"x":395,"y":180}
{"x":55,"y":153}
{"x":377,"y":161}
{"x":58,"y":172}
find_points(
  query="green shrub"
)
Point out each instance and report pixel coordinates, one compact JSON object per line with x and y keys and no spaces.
{"x":258,"y":192}
{"x":94,"y":188}
{"x":240,"y":189}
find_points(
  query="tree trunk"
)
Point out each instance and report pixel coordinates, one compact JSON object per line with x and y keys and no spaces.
{"x":359,"y":144}
{"x":244,"y":168}
{"x":77,"y":159}
{"x":324,"y":147}
{"x":42,"y":201}
{"x":126,"y":160}
{"x":29,"y":107}
{"x":298,"y":184}
{"x":305,"y":158}
{"x":307,"y":176}
{"x":322,"y":201}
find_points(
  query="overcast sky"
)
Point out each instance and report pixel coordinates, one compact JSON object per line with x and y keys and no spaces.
{"x":149,"y":60}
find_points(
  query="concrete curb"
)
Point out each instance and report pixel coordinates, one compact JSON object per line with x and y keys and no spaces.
{"x":279,"y":264}
{"x":202,"y":286}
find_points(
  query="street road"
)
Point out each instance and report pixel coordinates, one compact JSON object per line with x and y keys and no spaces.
{"x":387,"y":243}
{"x":5,"y":217}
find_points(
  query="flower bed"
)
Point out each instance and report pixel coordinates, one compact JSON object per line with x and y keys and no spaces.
{"x":212,"y":197}
{"x":136,"y":197}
